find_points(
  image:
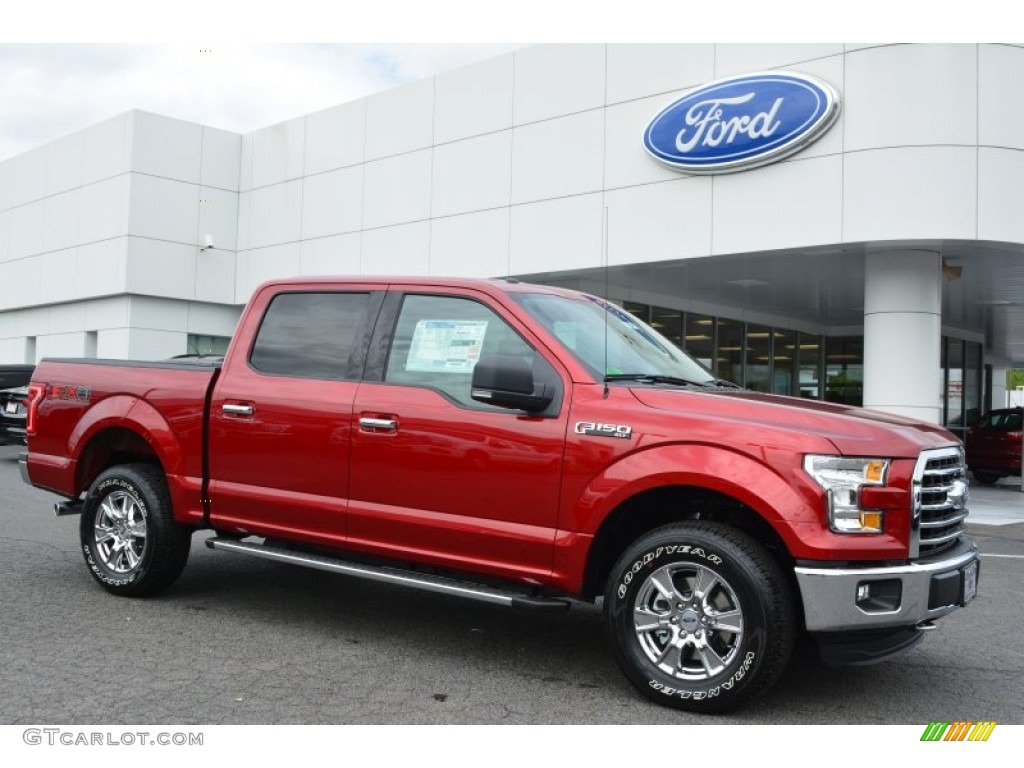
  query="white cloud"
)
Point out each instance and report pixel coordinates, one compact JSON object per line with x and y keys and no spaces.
{"x":50,"y":90}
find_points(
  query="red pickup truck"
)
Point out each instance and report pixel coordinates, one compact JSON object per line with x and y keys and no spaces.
{"x":525,"y":446}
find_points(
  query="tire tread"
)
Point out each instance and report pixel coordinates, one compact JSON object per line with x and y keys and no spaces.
{"x":771,"y":584}
{"x":171,"y":542}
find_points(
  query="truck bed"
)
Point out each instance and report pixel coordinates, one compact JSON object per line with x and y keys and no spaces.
{"x":90,"y":403}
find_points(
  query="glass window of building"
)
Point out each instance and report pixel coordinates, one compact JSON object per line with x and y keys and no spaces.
{"x":809,"y":351}
{"x":844,"y":370}
{"x":669,"y":323}
{"x":731,"y":351}
{"x":784,"y":356}
{"x":208,"y":345}
{"x":953,"y":393}
{"x":640,"y":311}
{"x":962,"y":370}
{"x":699,"y":340}
{"x":759,"y":358}
{"x":788,"y":362}
{"x":973,"y":370}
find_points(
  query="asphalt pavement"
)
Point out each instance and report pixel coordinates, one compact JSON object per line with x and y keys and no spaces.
{"x":240,"y":640}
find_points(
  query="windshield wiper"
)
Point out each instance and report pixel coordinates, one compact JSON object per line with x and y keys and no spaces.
{"x":657,"y":378}
{"x":725,"y":384}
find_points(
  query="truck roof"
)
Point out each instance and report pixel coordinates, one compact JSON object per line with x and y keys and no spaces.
{"x":488,"y":285}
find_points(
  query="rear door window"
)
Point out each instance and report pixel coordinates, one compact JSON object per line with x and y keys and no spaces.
{"x":312,"y":335}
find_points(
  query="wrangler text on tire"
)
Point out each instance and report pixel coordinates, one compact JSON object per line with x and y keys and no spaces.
{"x":130,"y":541}
{"x":700,"y":616}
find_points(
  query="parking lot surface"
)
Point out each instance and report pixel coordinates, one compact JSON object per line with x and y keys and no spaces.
{"x":240,"y":640}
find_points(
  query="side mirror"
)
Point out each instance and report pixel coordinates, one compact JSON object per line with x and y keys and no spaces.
{"x":507,"y":382}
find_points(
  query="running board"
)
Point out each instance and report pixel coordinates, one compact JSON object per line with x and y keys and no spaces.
{"x":424,"y":581}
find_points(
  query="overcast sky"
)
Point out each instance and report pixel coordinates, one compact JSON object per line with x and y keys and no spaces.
{"x":48,"y":91}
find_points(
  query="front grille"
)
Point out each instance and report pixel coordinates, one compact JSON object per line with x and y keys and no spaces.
{"x":940,"y":500}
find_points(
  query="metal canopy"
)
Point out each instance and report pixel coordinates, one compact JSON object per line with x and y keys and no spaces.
{"x":822,"y":289}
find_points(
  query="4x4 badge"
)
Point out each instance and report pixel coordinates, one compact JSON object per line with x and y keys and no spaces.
{"x":603,"y":430}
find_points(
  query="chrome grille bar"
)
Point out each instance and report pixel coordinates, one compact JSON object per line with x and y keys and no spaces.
{"x":939,"y":501}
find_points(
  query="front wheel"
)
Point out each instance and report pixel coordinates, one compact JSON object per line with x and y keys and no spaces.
{"x":130,"y":541}
{"x":700,"y":616}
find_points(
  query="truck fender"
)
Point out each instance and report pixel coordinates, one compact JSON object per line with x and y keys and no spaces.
{"x":131,"y":413}
{"x":738,"y":475}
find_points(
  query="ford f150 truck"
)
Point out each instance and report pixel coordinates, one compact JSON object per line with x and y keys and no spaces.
{"x":525,"y":446}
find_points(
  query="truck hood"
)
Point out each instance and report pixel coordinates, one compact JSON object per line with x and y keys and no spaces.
{"x":853,"y":431}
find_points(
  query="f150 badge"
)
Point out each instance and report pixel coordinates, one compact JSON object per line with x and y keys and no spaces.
{"x":603,"y":430}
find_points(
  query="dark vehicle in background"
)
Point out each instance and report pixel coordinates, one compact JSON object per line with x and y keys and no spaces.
{"x":12,"y":415}
{"x":14,"y":381}
{"x":15,"y":375}
{"x":994,"y":445}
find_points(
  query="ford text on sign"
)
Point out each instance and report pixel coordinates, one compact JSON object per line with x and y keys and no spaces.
{"x":742,"y":122}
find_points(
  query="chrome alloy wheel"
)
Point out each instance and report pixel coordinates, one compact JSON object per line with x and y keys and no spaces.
{"x":120,"y":532}
{"x":688,"y":621}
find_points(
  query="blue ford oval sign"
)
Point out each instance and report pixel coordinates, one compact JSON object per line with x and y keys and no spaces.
{"x":742,"y":122}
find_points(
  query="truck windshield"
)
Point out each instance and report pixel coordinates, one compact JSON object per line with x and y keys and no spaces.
{"x":610,"y":342}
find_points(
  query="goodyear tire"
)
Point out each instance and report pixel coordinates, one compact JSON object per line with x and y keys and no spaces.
{"x":130,"y":541}
{"x":700,"y":616}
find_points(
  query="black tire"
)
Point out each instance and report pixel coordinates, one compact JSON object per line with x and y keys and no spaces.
{"x":131,"y":543}
{"x":986,"y":478}
{"x":719,"y":642}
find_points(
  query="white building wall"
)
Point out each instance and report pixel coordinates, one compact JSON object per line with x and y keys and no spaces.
{"x":506,"y":166}
{"x":116,"y":210}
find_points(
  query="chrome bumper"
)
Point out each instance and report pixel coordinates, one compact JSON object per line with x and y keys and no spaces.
{"x":913,"y":593}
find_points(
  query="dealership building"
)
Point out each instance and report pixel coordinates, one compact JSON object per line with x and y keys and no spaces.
{"x":872,"y":253}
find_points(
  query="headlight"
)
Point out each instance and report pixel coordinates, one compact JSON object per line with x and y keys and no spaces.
{"x":842,"y":478}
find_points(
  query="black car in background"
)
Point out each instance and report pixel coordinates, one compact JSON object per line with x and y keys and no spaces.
{"x":15,"y":375}
{"x":12,"y":415}
{"x":13,"y":395}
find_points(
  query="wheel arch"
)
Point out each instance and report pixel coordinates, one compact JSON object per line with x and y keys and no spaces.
{"x":109,"y":447}
{"x":655,"y":507}
{"x":122,"y":430}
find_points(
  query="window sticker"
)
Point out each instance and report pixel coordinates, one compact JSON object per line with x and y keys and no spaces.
{"x":448,"y":346}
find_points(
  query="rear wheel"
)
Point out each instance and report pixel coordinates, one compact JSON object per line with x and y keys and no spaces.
{"x":700,"y":617}
{"x":129,"y":538}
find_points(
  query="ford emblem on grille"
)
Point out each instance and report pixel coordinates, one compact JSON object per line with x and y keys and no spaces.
{"x":742,"y":122}
{"x":958,"y":494}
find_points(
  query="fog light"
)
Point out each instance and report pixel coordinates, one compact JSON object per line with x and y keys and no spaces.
{"x":883,"y":596}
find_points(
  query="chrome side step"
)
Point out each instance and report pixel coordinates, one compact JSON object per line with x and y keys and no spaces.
{"x":424,"y":581}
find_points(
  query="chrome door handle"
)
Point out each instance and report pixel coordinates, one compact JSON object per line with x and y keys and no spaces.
{"x":390,"y":425}
{"x":237,"y":410}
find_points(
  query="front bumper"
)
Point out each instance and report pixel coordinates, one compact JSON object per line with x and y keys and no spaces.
{"x":906,"y":594}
